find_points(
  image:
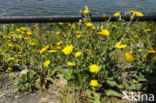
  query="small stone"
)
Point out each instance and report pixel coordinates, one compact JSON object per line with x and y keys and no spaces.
{"x":26,"y":93}
{"x":16,"y":97}
{"x":44,"y":100}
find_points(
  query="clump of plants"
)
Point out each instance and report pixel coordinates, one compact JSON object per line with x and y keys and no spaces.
{"x":102,"y":58}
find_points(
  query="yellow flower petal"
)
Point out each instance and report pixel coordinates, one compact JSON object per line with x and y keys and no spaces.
{"x":93,"y":83}
{"x":118,"y":45}
{"x":89,"y":24}
{"x":154,"y":58}
{"x":77,"y":54}
{"x":52,"y":51}
{"x":68,"y":49}
{"x":117,"y":14}
{"x":94,"y":68}
{"x":129,"y":57}
{"x":46,"y":63}
{"x":69,"y":63}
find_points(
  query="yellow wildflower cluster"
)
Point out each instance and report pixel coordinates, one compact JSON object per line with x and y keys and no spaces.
{"x":43,"y":49}
{"x":68,"y":49}
{"x":86,"y":11}
{"x":32,"y":43}
{"x":9,"y":69}
{"x":46,"y":63}
{"x":119,"y":45}
{"x":147,"y":30}
{"x":69,"y":63}
{"x":129,"y":57}
{"x":94,"y":68}
{"x":52,"y":51}
{"x":93,"y":83}
{"x":89,"y":24}
{"x":77,"y":54}
{"x":117,"y":14}
{"x":104,"y":32}
{"x":137,"y":13}
{"x":154,"y":58}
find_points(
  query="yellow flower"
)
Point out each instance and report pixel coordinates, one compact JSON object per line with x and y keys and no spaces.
{"x":86,"y":12}
{"x":68,"y":49}
{"x":129,"y":57}
{"x":118,"y":45}
{"x":11,"y":58}
{"x":20,"y":55}
{"x":59,"y":47}
{"x":32,"y":43}
{"x":93,"y":28}
{"x":77,"y":54}
{"x":43,"y":49}
{"x":19,"y":36}
{"x":78,"y":32}
{"x":46,"y":63}
{"x":60,"y":23}
{"x":23,"y":32}
{"x":79,"y":36}
{"x":94,"y":68}
{"x":52,"y":51}
{"x":88,"y":24}
{"x":23,"y":28}
{"x":145,"y":56}
{"x":57,"y":33}
{"x":18,"y":30}
{"x":147,"y":30}
{"x":139,"y":14}
{"x":9,"y":69}
{"x":29,"y":33}
{"x":9,"y":40}
{"x":17,"y":60}
{"x":151,"y":51}
{"x":117,"y":14}
{"x":69,"y":63}
{"x":104,"y":32}
{"x":115,"y":26}
{"x":93,"y":83}
{"x":154,"y":59}
{"x":26,"y":38}
{"x":59,"y":43}
{"x":10,"y":45}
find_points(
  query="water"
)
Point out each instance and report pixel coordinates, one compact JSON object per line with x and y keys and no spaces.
{"x":73,"y":7}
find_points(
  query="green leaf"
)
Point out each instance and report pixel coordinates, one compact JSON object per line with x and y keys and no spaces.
{"x":138,"y":86}
{"x":73,"y":86}
{"x":65,"y":72}
{"x":111,"y":83}
{"x":142,"y":78}
{"x":38,"y":83}
{"x":49,"y":79}
{"x":112,"y":93}
{"x":96,"y":98}
{"x":89,"y":94}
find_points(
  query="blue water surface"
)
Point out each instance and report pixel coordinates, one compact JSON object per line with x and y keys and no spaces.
{"x":73,"y":7}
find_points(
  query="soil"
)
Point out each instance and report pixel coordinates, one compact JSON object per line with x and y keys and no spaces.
{"x":7,"y":94}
